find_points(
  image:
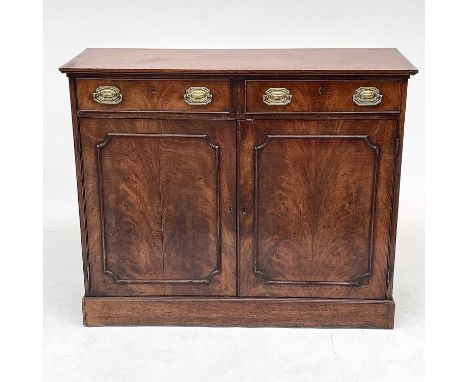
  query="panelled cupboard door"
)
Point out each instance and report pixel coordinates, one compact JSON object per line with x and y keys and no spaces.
{"x":160,"y":206}
{"x":314,"y":206}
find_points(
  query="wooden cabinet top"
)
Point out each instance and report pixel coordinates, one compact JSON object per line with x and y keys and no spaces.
{"x":241,"y":61}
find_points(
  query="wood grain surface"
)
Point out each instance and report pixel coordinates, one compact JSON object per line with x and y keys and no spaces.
{"x":160,"y":206}
{"x":314,"y":207}
{"x":157,"y":95}
{"x":237,"y":213}
{"x":238,"y":312}
{"x":316,"y":196}
{"x":321,"y":96}
{"x":277,"y":61}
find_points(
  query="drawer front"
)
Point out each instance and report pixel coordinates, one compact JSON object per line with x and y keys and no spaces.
{"x":322,"y":96}
{"x":187,"y":96}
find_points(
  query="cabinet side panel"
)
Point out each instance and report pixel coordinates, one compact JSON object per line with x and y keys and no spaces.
{"x":398,"y":147}
{"x":80,"y":185}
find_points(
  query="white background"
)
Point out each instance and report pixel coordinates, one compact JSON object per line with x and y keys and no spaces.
{"x":76,"y":353}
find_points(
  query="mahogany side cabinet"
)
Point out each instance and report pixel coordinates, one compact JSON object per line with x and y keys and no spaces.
{"x":238,"y":187}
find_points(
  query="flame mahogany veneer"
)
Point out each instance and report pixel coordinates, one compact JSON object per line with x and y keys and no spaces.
{"x":238,"y":187}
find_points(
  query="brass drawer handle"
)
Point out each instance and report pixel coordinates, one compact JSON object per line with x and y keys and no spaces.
{"x":109,"y":95}
{"x":198,"y":96}
{"x":367,"y":96}
{"x":277,"y":96}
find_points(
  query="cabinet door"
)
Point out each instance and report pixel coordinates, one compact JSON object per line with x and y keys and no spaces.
{"x":315,"y":201}
{"x":160,"y":206}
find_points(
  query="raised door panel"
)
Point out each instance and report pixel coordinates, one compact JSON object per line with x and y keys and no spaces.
{"x":159,"y":205}
{"x":315,"y":207}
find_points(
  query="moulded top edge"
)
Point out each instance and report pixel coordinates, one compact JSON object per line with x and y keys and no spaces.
{"x":374,"y":61}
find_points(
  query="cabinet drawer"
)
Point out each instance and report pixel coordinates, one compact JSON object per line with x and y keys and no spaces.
{"x":322,"y":96}
{"x":189,"y":96}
